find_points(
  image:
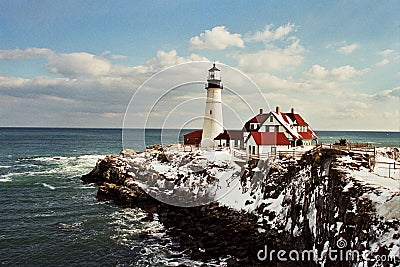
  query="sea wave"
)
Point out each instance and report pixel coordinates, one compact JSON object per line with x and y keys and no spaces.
{"x":5,"y":180}
{"x":5,"y":166}
{"x":55,"y":159}
{"x":73,"y":167}
{"x":135,"y":230}
{"x":49,"y":186}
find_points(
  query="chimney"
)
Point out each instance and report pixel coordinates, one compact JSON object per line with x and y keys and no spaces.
{"x":292,"y":110}
{"x":261,"y":111}
{"x":278,"y":109}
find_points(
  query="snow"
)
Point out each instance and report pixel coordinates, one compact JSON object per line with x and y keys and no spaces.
{"x":375,"y":180}
{"x":348,"y":186}
{"x":338,"y":226}
{"x":275,"y":204}
{"x":384,"y":192}
{"x":159,"y":167}
{"x":312,"y":216}
{"x":233,"y":197}
{"x":301,"y":148}
{"x":287,"y":126}
{"x":195,"y":168}
{"x":288,"y":224}
{"x":386,"y":203}
{"x":378,"y":178}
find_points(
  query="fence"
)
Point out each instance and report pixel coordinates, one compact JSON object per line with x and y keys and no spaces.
{"x":355,"y":147}
{"x":391,"y":167}
{"x":289,"y":154}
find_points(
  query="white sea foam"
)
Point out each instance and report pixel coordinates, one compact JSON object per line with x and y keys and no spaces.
{"x":85,"y":187}
{"x":4,"y":166}
{"x":75,"y":165}
{"x":49,"y":186}
{"x":69,"y":166}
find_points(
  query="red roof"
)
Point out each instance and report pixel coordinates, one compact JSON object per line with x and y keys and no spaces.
{"x":297,"y":119}
{"x":256,"y":119}
{"x":309,"y":134}
{"x":197,"y":133}
{"x":284,"y":116}
{"x":230,"y":134}
{"x":269,"y":138}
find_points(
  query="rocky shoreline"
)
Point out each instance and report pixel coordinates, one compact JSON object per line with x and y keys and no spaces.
{"x":207,"y":232}
{"x":313,"y":207}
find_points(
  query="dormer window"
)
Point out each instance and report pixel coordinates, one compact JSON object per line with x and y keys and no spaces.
{"x":254,"y":126}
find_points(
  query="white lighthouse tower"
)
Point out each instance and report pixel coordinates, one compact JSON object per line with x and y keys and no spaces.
{"x":213,"y":122}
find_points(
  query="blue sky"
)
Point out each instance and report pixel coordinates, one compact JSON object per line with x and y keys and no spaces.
{"x":77,"y":63}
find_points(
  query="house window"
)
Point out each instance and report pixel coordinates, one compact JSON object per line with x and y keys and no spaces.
{"x":249,"y":149}
{"x":254,"y":150}
{"x":277,"y":128}
{"x":271,"y":118}
{"x":273,"y":150}
{"x":210,"y":112}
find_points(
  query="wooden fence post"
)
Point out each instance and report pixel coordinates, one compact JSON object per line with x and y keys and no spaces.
{"x":389,"y":170}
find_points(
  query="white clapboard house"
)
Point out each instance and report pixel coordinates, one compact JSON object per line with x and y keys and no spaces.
{"x":274,"y":131}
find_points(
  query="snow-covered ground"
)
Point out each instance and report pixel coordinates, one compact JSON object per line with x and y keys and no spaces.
{"x":383,"y":190}
{"x":180,"y":177}
{"x":196,"y":177}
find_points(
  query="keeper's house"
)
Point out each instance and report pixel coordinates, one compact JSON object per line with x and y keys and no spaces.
{"x":264,"y":133}
{"x":276,"y":130}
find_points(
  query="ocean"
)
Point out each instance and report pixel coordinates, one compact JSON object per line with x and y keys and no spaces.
{"x":49,"y":218}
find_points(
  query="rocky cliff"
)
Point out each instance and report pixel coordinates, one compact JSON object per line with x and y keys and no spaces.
{"x":305,"y":207}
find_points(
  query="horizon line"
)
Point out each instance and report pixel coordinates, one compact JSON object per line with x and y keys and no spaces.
{"x":120,"y":128}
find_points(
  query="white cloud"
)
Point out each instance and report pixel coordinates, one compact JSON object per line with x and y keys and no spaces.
{"x":387,"y":94}
{"x":170,"y":58}
{"x":218,"y":38}
{"x":341,"y":73}
{"x":93,"y":91}
{"x":393,"y":115}
{"x":351,"y":109}
{"x":270,"y":34}
{"x":383,"y":62}
{"x":72,"y":64}
{"x":10,"y":82}
{"x":271,"y":59}
{"x":385,"y":53}
{"x":78,"y":64}
{"x":92,"y":87}
{"x":17,"y":54}
{"x":347,"y":49}
{"x":108,"y":54}
{"x":118,"y":56}
{"x":388,"y":56}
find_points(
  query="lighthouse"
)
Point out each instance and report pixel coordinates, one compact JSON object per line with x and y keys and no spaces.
{"x":213,"y":121}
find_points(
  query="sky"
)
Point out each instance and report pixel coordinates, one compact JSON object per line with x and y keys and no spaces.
{"x":83,"y":63}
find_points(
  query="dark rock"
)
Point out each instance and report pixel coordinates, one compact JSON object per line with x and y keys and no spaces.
{"x":223,"y":232}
